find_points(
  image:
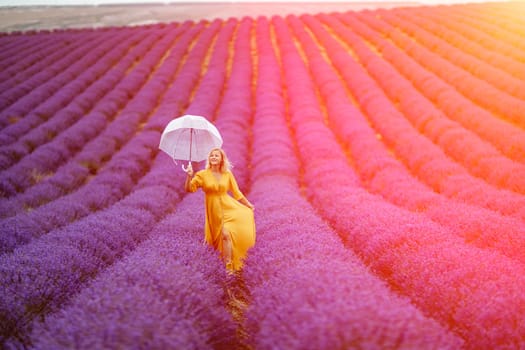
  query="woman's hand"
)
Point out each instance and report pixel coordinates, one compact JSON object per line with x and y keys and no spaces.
{"x":188,"y":169}
{"x":247,"y":203}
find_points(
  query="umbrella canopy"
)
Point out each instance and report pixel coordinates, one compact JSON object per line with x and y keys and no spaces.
{"x":190,"y":137}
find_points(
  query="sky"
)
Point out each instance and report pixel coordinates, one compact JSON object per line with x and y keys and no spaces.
{"x":93,"y":2}
{"x":105,"y":2}
{"x":102,"y":2}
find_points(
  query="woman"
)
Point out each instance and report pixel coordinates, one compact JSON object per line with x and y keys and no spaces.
{"x":229,"y":225}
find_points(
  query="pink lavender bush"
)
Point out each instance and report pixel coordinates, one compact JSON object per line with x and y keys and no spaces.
{"x":392,"y":234}
{"x":169,"y":289}
{"x":295,"y":301}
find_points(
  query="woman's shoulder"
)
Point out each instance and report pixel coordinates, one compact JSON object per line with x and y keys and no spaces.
{"x":201,"y":172}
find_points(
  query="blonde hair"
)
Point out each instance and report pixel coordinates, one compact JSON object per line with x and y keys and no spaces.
{"x":225,"y":163}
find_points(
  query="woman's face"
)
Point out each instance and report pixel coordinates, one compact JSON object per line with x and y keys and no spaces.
{"x":215,"y":158}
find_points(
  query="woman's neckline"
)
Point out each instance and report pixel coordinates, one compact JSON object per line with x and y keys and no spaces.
{"x":217,"y":175}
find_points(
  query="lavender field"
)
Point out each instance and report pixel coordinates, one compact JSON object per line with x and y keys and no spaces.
{"x":384,"y":151}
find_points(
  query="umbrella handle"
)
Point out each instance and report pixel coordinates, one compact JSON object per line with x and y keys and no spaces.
{"x":187,"y":168}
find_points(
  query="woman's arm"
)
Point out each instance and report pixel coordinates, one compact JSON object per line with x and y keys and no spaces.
{"x":189,"y":176}
{"x":187,"y":183}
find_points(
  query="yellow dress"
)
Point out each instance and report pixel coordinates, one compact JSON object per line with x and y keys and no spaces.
{"x":224,"y":211}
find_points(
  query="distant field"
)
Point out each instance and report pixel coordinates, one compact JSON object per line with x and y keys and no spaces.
{"x":42,"y":17}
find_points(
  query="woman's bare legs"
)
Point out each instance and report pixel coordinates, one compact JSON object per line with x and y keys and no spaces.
{"x":227,"y":249}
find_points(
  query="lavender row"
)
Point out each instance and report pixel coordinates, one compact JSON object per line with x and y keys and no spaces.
{"x":495,"y":58}
{"x":65,"y":259}
{"x":44,"y":51}
{"x":508,"y":17}
{"x":152,"y":198}
{"x":25,"y":99}
{"x":100,"y":97}
{"x":41,"y":103}
{"x":41,"y":136}
{"x":469,"y":115}
{"x":307,"y":291}
{"x":77,"y":94}
{"x":383,"y":174}
{"x":484,"y":160}
{"x":476,"y":34}
{"x":280,"y":160}
{"x":44,"y":45}
{"x":103,"y":190}
{"x":205,"y":100}
{"x":168,"y":293}
{"x":13,"y":44}
{"x":67,"y":143}
{"x":229,"y":112}
{"x":21,"y":44}
{"x":466,"y":53}
{"x":455,"y":107}
{"x":429,"y":164}
{"x":446,"y":278}
{"x":27,"y":57}
{"x":207,"y":97}
{"x":187,"y":73}
{"x":178,"y":231}
{"x":110,"y":184}
{"x":211,"y":102}
{"x":419,"y":109}
{"x":106,"y":129}
{"x":499,"y":101}
{"x":229,"y":109}
{"x":234,"y":115}
{"x":507,"y":82}
{"x":174,"y":101}
{"x":505,"y":17}
{"x":26,"y":51}
{"x":467,"y":17}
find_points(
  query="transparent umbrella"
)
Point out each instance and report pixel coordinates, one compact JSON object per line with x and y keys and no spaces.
{"x":190,"y":137}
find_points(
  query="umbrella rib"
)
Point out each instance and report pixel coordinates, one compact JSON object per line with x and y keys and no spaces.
{"x":191,"y":141}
